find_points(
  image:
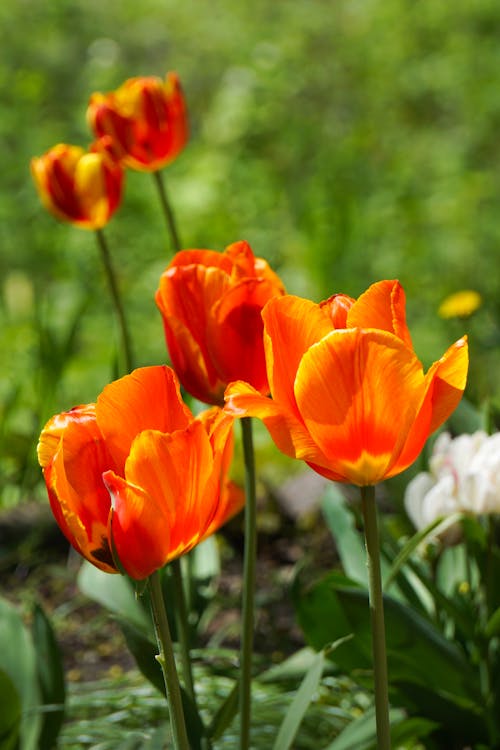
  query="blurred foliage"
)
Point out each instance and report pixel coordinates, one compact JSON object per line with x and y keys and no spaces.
{"x":346,"y":143}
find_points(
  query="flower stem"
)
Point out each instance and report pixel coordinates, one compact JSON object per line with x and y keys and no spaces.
{"x":377,"y":618}
{"x":182,"y":626}
{"x":248,"y":585}
{"x":167,"y":662}
{"x":167,"y":211}
{"x":117,"y":302}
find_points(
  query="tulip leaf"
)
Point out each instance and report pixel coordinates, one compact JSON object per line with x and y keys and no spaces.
{"x":493,"y":625}
{"x":115,"y":593}
{"x":300,"y":704}
{"x":225,"y":713}
{"x":348,"y":541}
{"x":292,"y":668}
{"x":10,"y":715}
{"x":433,"y":529}
{"x":51,"y":677}
{"x":18,"y":661}
{"x":144,"y":652}
{"x":323,"y":620}
{"x":417,"y":652}
{"x":361,"y":733}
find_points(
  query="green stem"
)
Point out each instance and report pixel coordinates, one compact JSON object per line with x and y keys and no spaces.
{"x":117,"y":302}
{"x":167,"y":662}
{"x":248,"y":585}
{"x":181,"y":615}
{"x":377,"y":618}
{"x":167,"y":211}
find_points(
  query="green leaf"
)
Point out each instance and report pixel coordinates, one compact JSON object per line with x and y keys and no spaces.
{"x":51,"y":677}
{"x":300,"y":704}
{"x":323,"y":620}
{"x":361,"y":733}
{"x":493,"y":625}
{"x":417,"y":652}
{"x":348,"y":541}
{"x":225,"y":714}
{"x":292,"y":668}
{"x":10,"y":715}
{"x":115,"y":593}
{"x":204,"y":560}
{"x":144,"y":651}
{"x":434,"y":528}
{"x":18,"y":661}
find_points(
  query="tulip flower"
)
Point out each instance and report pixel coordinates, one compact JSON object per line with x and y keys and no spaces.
{"x":145,"y":118}
{"x":136,"y":475}
{"x":350,"y":396}
{"x":211,"y":306}
{"x":78,"y":186}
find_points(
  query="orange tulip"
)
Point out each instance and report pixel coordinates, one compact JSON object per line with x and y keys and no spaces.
{"x":350,"y":396}
{"x":211,"y":305}
{"x":82,"y":187}
{"x":137,"y":475}
{"x":145,"y":118}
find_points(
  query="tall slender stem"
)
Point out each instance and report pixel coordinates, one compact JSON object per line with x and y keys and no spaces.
{"x":248,"y":585}
{"x":182,"y":626}
{"x":167,"y":662}
{"x":377,"y":618}
{"x":167,"y":211}
{"x":116,"y":298}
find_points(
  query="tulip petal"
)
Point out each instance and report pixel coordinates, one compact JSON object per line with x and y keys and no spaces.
{"x":138,"y":526}
{"x":218,"y":425}
{"x":288,"y":433}
{"x":235,"y":333}
{"x":450,"y":377}
{"x":77,"y":494}
{"x":148,"y":398}
{"x":291,"y":326}
{"x":186,"y":298}
{"x":382,"y":306}
{"x":444,"y":386}
{"x":177,"y":471}
{"x":357,"y":392}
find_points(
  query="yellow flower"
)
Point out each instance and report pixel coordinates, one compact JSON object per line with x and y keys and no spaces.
{"x":460,"y":305}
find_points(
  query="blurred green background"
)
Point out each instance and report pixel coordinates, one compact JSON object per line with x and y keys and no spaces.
{"x":347,"y":141}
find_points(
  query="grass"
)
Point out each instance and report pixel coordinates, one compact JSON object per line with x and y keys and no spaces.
{"x":110,"y":712}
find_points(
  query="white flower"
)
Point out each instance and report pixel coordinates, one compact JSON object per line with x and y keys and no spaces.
{"x":464,"y":477}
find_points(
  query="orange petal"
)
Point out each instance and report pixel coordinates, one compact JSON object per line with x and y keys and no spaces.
{"x":231,"y":501}
{"x":138,"y":526}
{"x":219,"y":427}
{"x":288,"y":433}
{"x":186,"y":298}
{"x":382,"y":306}
{"x":242,"y":258}
{"x":358,"y":392}
{"x":337,"y":306}
{"x":444,"y":386}
{"x":77,"y":494}
{"x":52,"y":433}
{"x":148,"y":398}
{"x":208,"y":258}
{"x":291,"y":326}
{"x":235,"y":333}
{"x":176,"y":470}
{"x":450,"y":377}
